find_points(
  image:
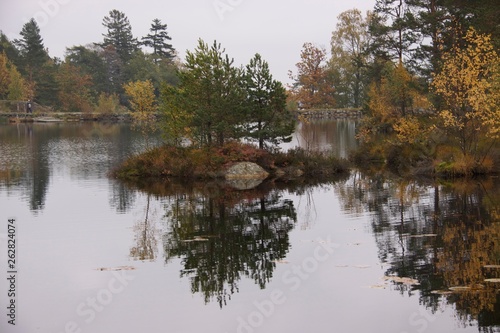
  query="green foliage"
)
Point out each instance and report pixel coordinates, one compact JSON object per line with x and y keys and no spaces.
{"x":119,"y":34}
{"x":349,"y":59}
{"x":143,"y":104}
{"x":31,"y":47}
{"x":176,"y":120}
{"x":212,"y":89}
{"x":107,"y":104}
{"x":157,"y":40}
{"x":267,"y":118}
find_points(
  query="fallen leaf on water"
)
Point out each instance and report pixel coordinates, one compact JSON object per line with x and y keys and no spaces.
{"x":377,"y":286}
{"x":118,"y":268}
{"x":422,"y":235}
{"x":282,"y":261}
{"x":196,"y":239}
{"x":403,"y":280}
{"x":492,"y":280}
{"x":460,"y":288}
{"x":442,"y":292}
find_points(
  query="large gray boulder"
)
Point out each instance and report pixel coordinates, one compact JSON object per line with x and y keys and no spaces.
{"x":245,"y":175}
{"x":246,"y":170}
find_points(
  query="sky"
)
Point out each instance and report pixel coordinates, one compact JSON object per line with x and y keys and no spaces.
{"x":277,"y":29}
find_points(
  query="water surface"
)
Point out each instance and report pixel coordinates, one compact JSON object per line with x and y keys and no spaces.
{"x":361,"y":253}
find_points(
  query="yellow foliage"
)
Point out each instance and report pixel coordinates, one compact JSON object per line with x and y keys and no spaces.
{"x":143,"y":103}
{"x":468,"y":85}
{"x":410,"y":130}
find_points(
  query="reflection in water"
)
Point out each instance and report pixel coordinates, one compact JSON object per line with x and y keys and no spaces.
{"x":337,"y":137}
{"x":445,"y":236}
{"x":146,"y":236}
{"x":31,"y":153}
{"x":222,"y":234}
{"x":221,"y":239}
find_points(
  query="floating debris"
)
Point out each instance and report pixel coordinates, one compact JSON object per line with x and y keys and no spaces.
{"x":442,"y":292}
{"x":196,"y":239}
{"x":377,"y":286}
{"x":342,"y":266}
{"x":362,"y":266}
{"x":460,"y":288}
{"x":118,"y":268}
{"x":281,"y":261}
{"x":403,"y":280}
{"x":422,"y":235}
{"x":492,"y":280}
{"x":492,"y":266}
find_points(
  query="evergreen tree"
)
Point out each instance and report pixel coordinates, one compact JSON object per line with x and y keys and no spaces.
{"x":392,"y":38}
{"x":37,"y":65}
{"x":157,"y":40}
{"x":119,"y":34}
{"x":31,"y":47}
{"x":7,"y":47}
{"x":212,"y":92}
{"x":268,"y":118}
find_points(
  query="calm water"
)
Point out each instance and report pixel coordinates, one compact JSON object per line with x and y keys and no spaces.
{"x":363,"y":253}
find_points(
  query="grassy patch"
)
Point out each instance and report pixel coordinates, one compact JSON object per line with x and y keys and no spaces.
{"x":211,"y":162}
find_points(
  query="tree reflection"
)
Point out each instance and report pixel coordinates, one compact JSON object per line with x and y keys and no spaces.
{"x":224,"y":234}
{"x":146,"y":236}
{"x":444,"y":235}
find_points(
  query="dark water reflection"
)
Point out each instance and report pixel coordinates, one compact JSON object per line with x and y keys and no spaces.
{"x":445,"y":235}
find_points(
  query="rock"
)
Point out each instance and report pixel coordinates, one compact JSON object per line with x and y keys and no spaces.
{"x":246,"y":170}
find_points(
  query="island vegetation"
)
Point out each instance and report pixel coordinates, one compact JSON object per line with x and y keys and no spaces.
{"x":426,"y":75}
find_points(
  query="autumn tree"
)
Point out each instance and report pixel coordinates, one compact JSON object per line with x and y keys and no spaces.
{"x":75,"y":91}
{"x":4,"y":76}
{"x":268,"y":120}
{"x":313,"y":86}
{"x":176,"y":125}
{"x":12,"y":84}
{"x":89,"y":61}
{"x":468,"y":85}
{"x":348,"y":61}
{"x":143,"y":104}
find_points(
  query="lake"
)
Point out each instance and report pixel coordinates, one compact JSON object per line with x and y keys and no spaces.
{"x":365,"y":252}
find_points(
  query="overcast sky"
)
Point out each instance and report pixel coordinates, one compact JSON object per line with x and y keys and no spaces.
{"x":276,"y":29}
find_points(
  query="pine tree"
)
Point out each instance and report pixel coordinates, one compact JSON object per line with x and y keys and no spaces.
{"x":31,"y":46}
{"x":119,"y":34}
{"x":157,"y":40}
{"x":268,"y":118}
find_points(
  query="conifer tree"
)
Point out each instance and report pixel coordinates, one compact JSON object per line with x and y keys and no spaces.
{"x":31,"y":47}
{"x":119,"y":34}
{"x":269,"y":121}
{"x":157,"y":40}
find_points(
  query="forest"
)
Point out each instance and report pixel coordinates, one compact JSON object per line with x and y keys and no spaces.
{"x":425,"y":73}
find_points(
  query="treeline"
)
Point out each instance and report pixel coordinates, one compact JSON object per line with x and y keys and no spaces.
{"x":89,"y":77}
{"x":400,"y":40}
